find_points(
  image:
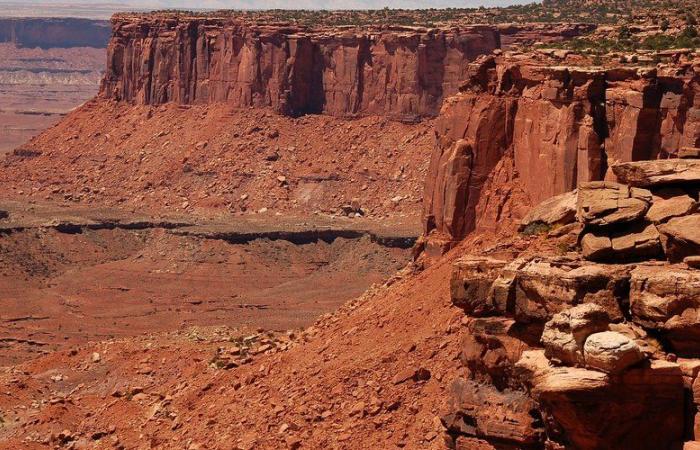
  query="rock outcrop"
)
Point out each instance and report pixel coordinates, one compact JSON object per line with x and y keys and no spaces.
{"x":582,"y":362}
{"x":403,"y":73}
{"x":606,"y":332}
{"x":558,"y":127}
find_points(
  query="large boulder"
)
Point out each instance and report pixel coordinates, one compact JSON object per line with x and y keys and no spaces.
{"x":641,"y":408}
{"x":603,"y":203}
{"x":611,"y":352}
{"x":559,"y":210}
{"x":666,"y":298}
{"x":658,"y":172}
{"x":564,"y":336}
{"x":681,"y":237}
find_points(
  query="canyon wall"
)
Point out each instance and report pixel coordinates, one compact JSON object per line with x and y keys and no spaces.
{"x":554,"y":127}
{"x":402,"y":73}
{"x":54,"y":32}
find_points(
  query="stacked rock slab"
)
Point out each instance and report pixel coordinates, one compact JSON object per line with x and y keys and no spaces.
{"x":558,"y":339}
{"x":398,"y":72}
{"x":558,"y":127}
{"x":601,"y":345}
{"x":652,"y":215}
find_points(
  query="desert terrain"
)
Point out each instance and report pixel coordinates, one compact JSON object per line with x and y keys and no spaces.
{"x":49,"y":67}
{"x":469,"y":229}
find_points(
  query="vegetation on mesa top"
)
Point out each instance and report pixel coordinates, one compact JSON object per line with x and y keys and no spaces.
{"x":552,"y":11}
{"x":626,"y":41}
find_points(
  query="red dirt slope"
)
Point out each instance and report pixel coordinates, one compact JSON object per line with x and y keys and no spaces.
{"x":181,"y":158}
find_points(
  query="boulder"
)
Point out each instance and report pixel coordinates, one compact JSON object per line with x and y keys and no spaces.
{"x":665,"y":298}
{"x":663,"y":210}
{"x":589,"y":409}
{"x":559,"y":210}
{"x":658,"y":172}
{"x":611,"y":352}
{"x":596,"y":248}
{"x":680,"y":237}
{"x":641,"y":241}
{"x":602,"y":203}
{"x":564,"y":336}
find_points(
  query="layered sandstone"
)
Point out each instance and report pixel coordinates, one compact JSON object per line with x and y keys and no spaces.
{"x":557,"y":127}
{"x":399,"y":72}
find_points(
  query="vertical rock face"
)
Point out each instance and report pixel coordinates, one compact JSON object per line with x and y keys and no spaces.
{"x":403,"y":73}
{"x":557,"y":126}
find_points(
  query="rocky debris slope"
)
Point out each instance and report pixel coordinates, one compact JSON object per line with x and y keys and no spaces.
{"x":217,"y":158}
{"x":402,"y":73}
{"x":522,"y":131}
{"x":369,"y":376}
{"x":597,"y":330}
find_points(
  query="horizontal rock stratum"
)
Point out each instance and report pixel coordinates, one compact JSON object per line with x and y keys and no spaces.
{"x":399,"y":72}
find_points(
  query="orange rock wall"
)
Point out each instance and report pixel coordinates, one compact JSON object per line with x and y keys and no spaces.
{"x":402,"y":73}
{"x":559,"y":126}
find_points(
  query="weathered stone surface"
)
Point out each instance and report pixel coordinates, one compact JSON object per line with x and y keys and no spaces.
{"x":604,"y":203}
{"x":640,"y":241}
{"x":649,"y":345}
{"x":471,"y":284}
{"x":559,"y":210}
{"x":544,"y":287}
{"x":611,"y":352}
{"x":557,"y":126}
{"x":564,"y":336}
{"x":664,"y":209}
{"x":692,"y":261}
{"x":681,"y":237}
{"x":402,"y":73}
{"x":596,"y":248}
{"x":508,"y":418}
{"x":665,"y":298}
{"x":689,"y":153}
{"x":587,"y":409}
{"x":658,"y":172}
{"x":491,"y":349}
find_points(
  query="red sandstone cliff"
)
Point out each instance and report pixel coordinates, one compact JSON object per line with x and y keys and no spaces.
{"x":552,"y":128}
{"x":402,"y":73}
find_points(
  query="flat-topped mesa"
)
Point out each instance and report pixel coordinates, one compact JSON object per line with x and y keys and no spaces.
{"x":528,"y":127}
{"x":400,"y":72}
